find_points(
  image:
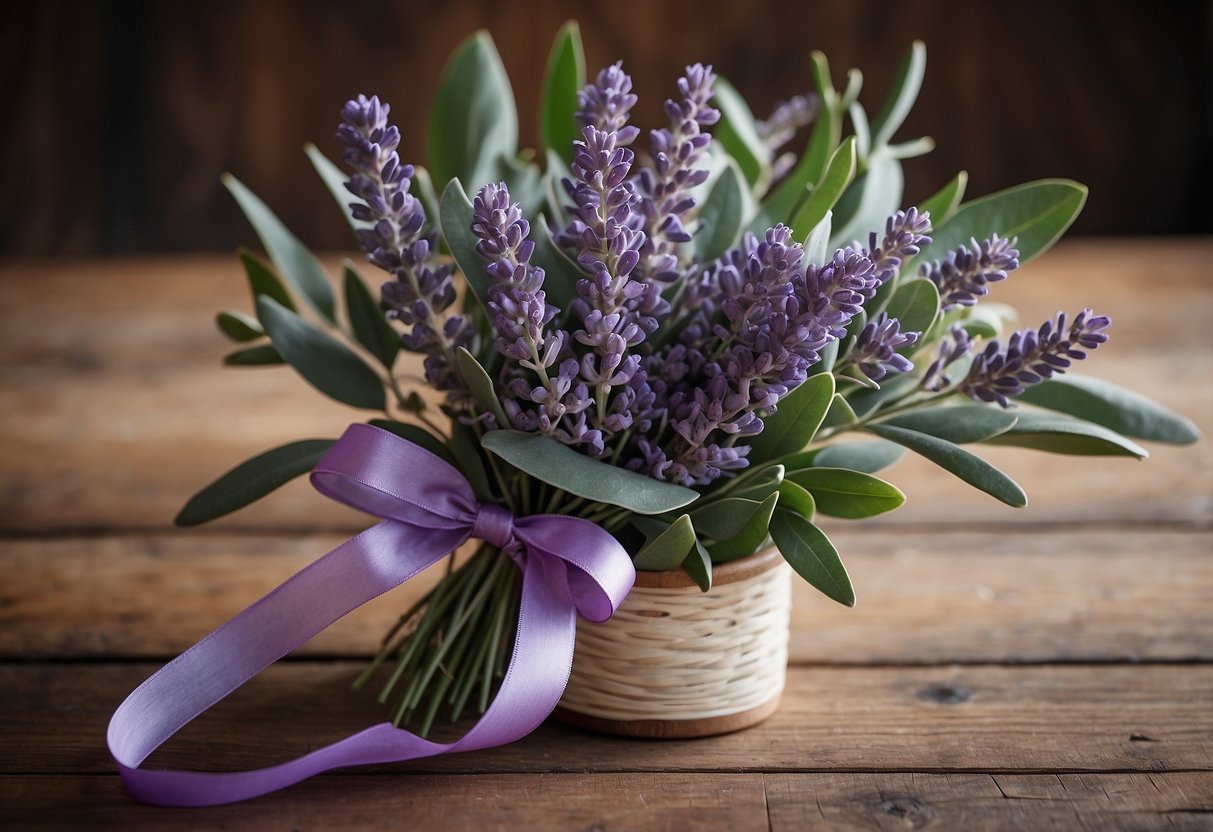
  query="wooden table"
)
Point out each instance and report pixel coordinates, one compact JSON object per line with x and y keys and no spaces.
{"x":1046,"y":668}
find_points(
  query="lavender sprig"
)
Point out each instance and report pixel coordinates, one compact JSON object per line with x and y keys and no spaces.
{"x":781,"y":125}
{"x":1031,"y":356}
{"x":952,"y":348}
{"x":906,"y":232}
{"x":606,"y":104}
{"x":396,"y":240}
{"x":875,"y":351}
{"x":963,"y":276}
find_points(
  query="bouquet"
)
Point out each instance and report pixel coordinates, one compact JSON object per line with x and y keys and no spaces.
{"x":670,"y":338}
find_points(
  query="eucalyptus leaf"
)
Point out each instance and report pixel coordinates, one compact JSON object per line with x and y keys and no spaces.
{"x":556,"y":464}
{"x":943,"y":204}
{"x":1113,"y":407}
{"x":793,"y":425}
{"x":841,"y":492}
{"x":915,"y":304}
{"x":873,"y":196}
{"x":738,"y":135}
{"x":238,"y":326}
{"x":292,"y":259}
{"x":723,"y":214}
{"x":972,"y":469}
{"x":560,"y":272}
{"x":367,"y":320}
{"x":812,"y":556}
{"x":959,"y":424}
{"x":263,"y":355}
{"x":668,"y":549}
{"x":838,"y":175}
{"x":416,"y":435}
{"x":698,"y":564}
{"x":1064,"y":435}
{"x":751,"y":537}
{"x":253,"y":479}
{"x":817,"y":250}
{"x":473,"y":120}
{"x":797,"y":499}
{"x":479,"y":384}
{"x":334,"y":179}
{"x":564,"y":77}
{"x":902,"y":95}
{"x":325,"y":363}
{"x":263,"y":281}
{"x":455,"y":210}
{"x":866,"y":457}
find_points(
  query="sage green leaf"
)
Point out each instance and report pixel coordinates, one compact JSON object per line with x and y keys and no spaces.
{"x":560,"y":272}
{"x":334,"y":179}
{"x":725,"y":518}
{"x":902,"y":95}
{"x":915,"y":304}
{"x":473,"y":120}
{"x":817,"y":245}
{"x":455,"y":210}
{"x":557,"y":171}
{"x":367,"y":320}
{"x":812,"y":556}
{"x":238,"y":326}
{"x":796,"y":499}
{"x":325,"y":363}
{"x":252,"y":479}
{"x":943,"y":204}
{"x":863,"y":133}
{"x":556,"y":464}
{"x":424,"y":190}
{"x":986,"y":320}
{"x":479,"y":384}
{"x":972,"y":469}
{"x":737,"y":133}
{"x":722,"y":216}
{"x":293,"y":261}
{"x":841,"y":492}
{"x":959,"y":424}
{"x":698,"y":565}
{"x":259,"y":356}
{"x":1036,"y":214}
{"x":793,"y":425}
{"x":668,"y":549}
{"x":753,"y":536}
{"x":416,"y":435}
{"x":1113,"y":407}
{"x":865,"y":403}
{"x":840,"y":413}
{"x":1064,"y":435}
{"x":838,"y":175}
{"x":911,"y":149}
{"x":468,"y":459}
{"x":761,"y":484}
{"x":263,"y":281}
{"x":865,"y":457}
{"x":524,"y":180}
{"x":850,"y":93}
{"x":873,"y":196}
{"x":565,"y":75}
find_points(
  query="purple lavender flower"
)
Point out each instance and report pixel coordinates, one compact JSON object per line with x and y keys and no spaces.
{"x":951,"y":349}
{"x":1031,"y":356}
{"x":781,"y":125}
{"x":665,"y":188}
{"x":875,"y":351}
{"x":964,"y":275}
{"x":906,"y":232}
{"x":396,"y":242}
{"x":606,"y":104}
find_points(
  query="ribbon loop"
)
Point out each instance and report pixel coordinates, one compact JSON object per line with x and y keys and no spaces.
{"x":494,"y":525}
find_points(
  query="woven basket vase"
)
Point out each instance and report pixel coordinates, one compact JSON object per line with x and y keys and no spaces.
{"x":676,"y":662}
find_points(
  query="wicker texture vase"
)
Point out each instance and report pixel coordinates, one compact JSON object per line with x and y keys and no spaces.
{"x":677,"y":662}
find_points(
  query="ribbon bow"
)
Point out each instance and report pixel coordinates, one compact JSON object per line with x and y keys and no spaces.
{"x":569,"y":566}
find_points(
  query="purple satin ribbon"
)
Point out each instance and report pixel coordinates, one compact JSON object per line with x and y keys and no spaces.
{"x":569,"y":566}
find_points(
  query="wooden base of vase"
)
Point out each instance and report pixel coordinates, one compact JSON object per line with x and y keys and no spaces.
{"x":669,"y":729}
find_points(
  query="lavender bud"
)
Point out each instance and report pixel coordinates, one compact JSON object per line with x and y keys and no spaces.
{"x":964,"y":275}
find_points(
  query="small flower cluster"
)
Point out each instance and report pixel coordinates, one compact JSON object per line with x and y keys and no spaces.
{"x":965,"y":274}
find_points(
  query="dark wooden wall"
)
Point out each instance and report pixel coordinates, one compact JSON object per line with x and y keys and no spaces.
{"x":119,"y":116}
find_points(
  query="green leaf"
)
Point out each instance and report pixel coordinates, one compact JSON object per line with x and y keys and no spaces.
{"x":698,"y":565}
{"x":972,"y":469}
{"x":455,"y":210}
{"x":840,"y":413}
{"x":987,"y":320}
{"x":793,"y":425}
{"x":325,"y":363}
{"x":263,"y":281}
{"x":560,"y":272}
{"x":565,"y":75}
{"x":915,"y":304}
{"x":722,"y":216}
{"x":524,"y":181}
{"x":902,"y":96}
{"x":238,"y":326}
{"x":841,"y":492}
{"x":668,"y":549}
{"x":1063,"y":435}
{"x":548,"y":460}
{"x":865,"y":403}
{"x":866,"y":457}
{"x":468,"y":459}
{"x":738,"y":135}
{"x":943,"y":204}
{"x":416,"y":435}
{"x":797,"y":499}
{"x":817,"y":245}
{"x":863,"y":133}
{"x":959,"y":424}
{"x":479,"y":384}
{"x":293,"y":261}
{"x":869,"y":201}
{"x":260,"y":356}
{"x":812,"y":556}
{"x":334,"y":179}
{"x":725,"y":518}
{"x":751,"y":537}
{"x":473,"y":120}
{"x":1113,"y":407}
{"x":424,"y":190}
{"x":838,"y":174}
{"x":252,"y":479}
{"x":1036,"y":214}
{"x":368,"y":321}
{"x":762,"y":484}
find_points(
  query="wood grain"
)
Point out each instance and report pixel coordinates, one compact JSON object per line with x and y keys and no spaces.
{"x":982,"y":718}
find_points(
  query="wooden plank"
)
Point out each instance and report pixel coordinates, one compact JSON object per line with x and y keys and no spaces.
{"x":109,"y":364}
{"x":649,"y":801}
{"x":925,"y":595}
{"x":934,"y":719}
{"x":534,"y":802}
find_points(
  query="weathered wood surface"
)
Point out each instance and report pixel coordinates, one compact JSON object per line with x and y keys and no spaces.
{"x":1044,"y":669}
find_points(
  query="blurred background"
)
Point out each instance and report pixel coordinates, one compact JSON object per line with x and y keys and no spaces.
{"x":120,"y":116}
